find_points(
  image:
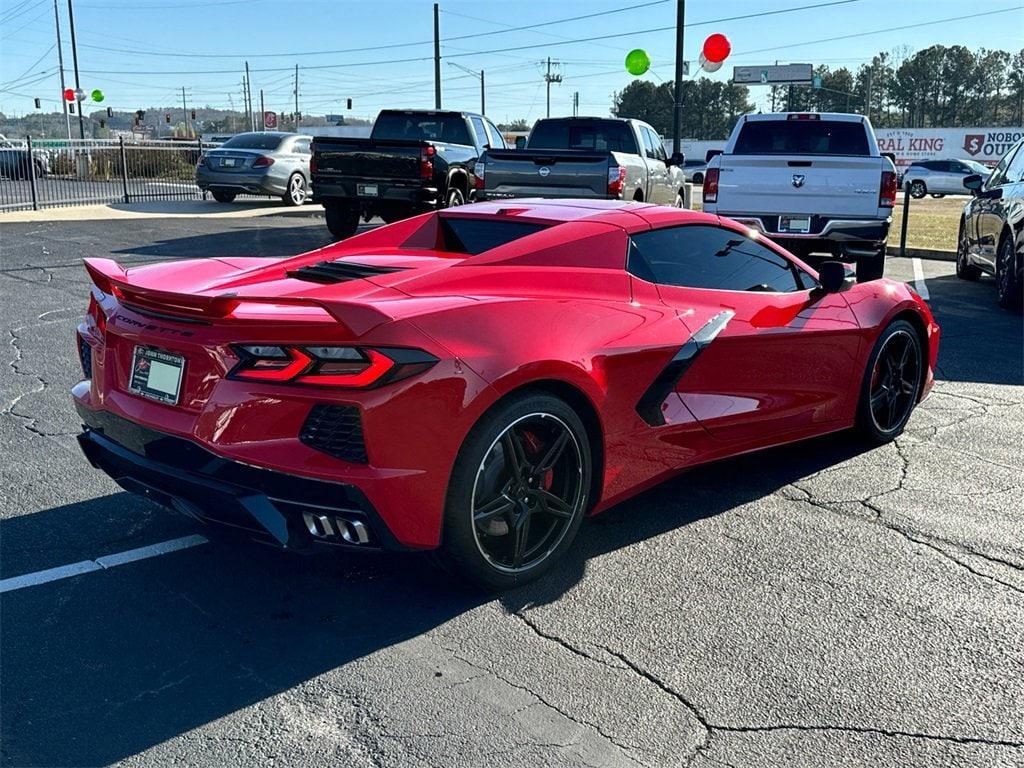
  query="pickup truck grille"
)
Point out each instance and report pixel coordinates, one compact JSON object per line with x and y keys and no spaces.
{"x":330,"y":272}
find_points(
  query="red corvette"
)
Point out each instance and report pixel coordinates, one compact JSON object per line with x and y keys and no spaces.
{"x":479,"y":379}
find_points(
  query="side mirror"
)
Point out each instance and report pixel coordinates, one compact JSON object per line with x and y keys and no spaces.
{"x":520,"y":142}
{"x":973,"y":182}
{"x":710,"y":154}
{"x":891,"y":156}
{"x":677,"y":159}
{"x":832,"y":276}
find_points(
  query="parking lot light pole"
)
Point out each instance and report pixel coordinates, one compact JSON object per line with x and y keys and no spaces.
{"x":677,"y":111}
{"x":60,"y":64}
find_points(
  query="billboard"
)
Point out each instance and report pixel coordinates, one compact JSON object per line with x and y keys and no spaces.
{"x":773,"y":74}
{"x":986,"y":145}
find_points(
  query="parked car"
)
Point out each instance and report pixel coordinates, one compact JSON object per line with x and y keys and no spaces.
{"x":583,"y":157}
{"x":261,"y":163}
{"x":940,"y":177}
{"x":14,"y":161}
{"x":481,"y":379}
{"x":693,"y":170}
{"x":414,"y":161}
{"x":812,"y":182}
{"x":991,"y":238}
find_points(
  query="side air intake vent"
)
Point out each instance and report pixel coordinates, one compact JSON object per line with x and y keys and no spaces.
{"x":336,"y":430}
{"x":329,"y":272}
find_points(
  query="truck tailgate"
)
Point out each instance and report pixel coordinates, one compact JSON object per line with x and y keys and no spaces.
{"x":827,"y":186}
{"x":546,"y":173}
{"x":368,"y":159}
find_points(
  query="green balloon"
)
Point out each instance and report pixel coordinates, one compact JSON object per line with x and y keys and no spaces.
{"x":637,"y":61}
{"x":97,"y":95}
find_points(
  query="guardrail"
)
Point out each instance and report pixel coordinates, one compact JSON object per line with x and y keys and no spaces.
{"x":48,"y":173}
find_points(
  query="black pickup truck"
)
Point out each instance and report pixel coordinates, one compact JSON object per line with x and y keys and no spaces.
{"x":413,"y":161}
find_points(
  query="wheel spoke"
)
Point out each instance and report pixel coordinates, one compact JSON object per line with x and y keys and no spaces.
{"x":553,"y":505}
{"x":500,"y":505}
{"x":553,"y":453}
{"x":522,"y":534}
{"x":514,"y":454}
{"x":879,"y":397}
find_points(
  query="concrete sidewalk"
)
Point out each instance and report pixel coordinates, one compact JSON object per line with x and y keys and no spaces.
{"x":153,"y":209}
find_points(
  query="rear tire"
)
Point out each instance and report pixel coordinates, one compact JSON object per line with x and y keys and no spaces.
{"x":455,"y":198}
{"x":698,"y":178}
{"x":891,"y":384}
{"x":342,"y":220}
{"x":490,"y":502}
{"x":871,"y":267}
{"x":964,"y":269}
{"x":918,"y":189}
{"x":223,"y":197}
{"x":297,"y":190}
{"x":1009,"y":289}
{"x":679,"y":202}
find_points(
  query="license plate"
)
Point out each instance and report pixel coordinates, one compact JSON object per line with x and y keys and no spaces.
{"x":367,"y":190}
{"x":157,"y":374}
{"x":228,"y":162}
{"x":800,"y":224}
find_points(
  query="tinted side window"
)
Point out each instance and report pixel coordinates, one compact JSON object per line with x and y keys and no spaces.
{"x":999,"y":174}
{"x":1015,"y":171}
{"x":480,"y":131}
{"x":700,"y":256}
{"x":497,"y":140}
{"x":301,"y":146}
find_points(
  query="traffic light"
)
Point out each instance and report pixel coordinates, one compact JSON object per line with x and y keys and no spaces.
{"x":140,"y":115}
{"x":193,"y":114}
{"x":71,"y":108}
{"x":39,"y":104}
{"x":349,"y":101}
{"x":167,"y":117}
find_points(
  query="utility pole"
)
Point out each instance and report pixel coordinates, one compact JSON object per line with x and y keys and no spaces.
{"x":575,"y":103}
{"x":60,"y":63}
{"x":549,"y":79}
{"x":74,"y":57}
{"x":296,"y":98}
{"x":677,"y":86}
{"x":483,"y":108}
{"x":184,"y":109}
{"x":263,"y":113}
{"x":867,"y":101}
{"x":248,"y":96}
{"x":437,"y":57}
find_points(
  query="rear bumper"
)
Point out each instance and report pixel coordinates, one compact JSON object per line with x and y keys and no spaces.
{"x":822,"y":228}
{"x":389,"y":192}
{"x":295,"y":512}
{"x":251,"y":183}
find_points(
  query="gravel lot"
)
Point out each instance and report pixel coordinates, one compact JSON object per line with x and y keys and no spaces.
{"x":817,"y":605}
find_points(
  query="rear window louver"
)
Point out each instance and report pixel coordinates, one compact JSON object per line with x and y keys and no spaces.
{"x":329,"y":272}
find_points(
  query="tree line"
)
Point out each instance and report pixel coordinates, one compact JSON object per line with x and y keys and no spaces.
{"x":937,"y":87}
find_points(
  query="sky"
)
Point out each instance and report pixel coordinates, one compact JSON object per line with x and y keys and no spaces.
{"x":141,"y":53}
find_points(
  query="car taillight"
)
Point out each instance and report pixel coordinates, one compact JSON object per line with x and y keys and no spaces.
{"x":427,"y":162}
{"x":887,"y":192}
{"x":616,"y":181}
{"x":262,"y":162}
{"x":328,"y":366}
{"x":711,"y":185}
{"x":479,"y":169}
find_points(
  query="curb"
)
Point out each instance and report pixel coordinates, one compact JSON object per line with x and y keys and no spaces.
{"x":922,"y":253}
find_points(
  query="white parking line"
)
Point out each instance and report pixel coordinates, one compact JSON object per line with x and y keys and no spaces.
{"x":100,"y":563}
{"x":919,"y":284}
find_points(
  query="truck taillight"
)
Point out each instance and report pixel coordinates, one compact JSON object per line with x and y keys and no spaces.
{"x":478,"y":175}
{"x":312,"y":163}
{"x":616,"y":181}
{"x":427,"y":162}
{"x":887,"y":193}
{"x":711,"y":185}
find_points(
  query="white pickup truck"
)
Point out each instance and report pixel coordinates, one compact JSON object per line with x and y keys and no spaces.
{"x":814,"y":182}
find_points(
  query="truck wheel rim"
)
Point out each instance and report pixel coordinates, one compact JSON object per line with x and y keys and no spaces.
{"x":527,"y":493}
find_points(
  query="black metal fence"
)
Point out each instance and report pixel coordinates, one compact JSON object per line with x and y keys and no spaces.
{"x":47,"y":173}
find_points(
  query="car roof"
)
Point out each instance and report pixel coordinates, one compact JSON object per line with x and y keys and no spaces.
{"x":843,"y":117}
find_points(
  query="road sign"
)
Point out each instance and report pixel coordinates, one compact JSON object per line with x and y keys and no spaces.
{"x":270,"y":119}
{"x":773,"y":74}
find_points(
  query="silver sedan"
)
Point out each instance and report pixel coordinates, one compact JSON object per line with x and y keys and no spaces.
{"x":264,"y":163}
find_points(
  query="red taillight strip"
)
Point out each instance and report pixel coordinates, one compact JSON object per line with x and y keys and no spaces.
{"x":379,"y":365}
{"x":300,"y":361}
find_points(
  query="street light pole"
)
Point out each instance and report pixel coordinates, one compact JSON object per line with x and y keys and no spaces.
{"x":60,"y":64}
{"x":74,"y":58}
{"x":677,"y":111}
{"x":472,"y":72}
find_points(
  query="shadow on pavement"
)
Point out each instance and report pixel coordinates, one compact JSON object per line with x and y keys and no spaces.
{"x":103,"y":666}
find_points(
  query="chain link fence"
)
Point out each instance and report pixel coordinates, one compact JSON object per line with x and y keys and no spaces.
{"x":45,"y":173}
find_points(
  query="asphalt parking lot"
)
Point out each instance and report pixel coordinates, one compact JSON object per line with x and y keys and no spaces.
{"x":815,"y":605}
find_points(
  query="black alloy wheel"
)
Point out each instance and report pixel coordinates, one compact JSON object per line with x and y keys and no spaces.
{"x":918,"y":189}
{"x":892,"y":382}
{"x":1009,"y":291}
{"x":964,"y":269}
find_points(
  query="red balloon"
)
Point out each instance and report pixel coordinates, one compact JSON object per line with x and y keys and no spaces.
{"x":69,"y":94}
{"x":716,"y":48}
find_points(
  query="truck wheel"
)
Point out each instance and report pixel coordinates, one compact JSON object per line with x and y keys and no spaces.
{"x":342,"y":220}
{"x":871,"y":267}
{"x":679,"y":203}
{"x":455,"y":198}
{"x":223,"y":197}
{"x":918,"y":189}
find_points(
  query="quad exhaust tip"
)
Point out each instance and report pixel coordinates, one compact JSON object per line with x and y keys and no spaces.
{"x":328,"y":527}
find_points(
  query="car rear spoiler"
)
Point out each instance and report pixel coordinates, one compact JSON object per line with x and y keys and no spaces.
{"x":112,"y":279}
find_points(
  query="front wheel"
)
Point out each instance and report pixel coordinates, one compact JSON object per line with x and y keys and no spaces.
{"x":891,"y":383}
{"x":518,"y":492}
{"x":918,"y":190}
{"x":871,"y":267}
{"x":342,"y":220}
{"x":698,"y":178}
{"x":1009,"y":288}
{"x":223,"y":197}
{"x":964,"y":269}
{"x":297,"y":191}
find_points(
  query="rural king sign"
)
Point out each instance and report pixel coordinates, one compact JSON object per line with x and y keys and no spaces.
{"x":986,"y":145}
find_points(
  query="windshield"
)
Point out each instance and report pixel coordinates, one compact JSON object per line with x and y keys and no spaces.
{"x":429,"y":126}
{"x":802,"y":137}
{"x":602,"y":135}
{"x":254,"y":141}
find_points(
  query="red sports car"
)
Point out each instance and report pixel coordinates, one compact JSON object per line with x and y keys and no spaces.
{"x":478,"y":380}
